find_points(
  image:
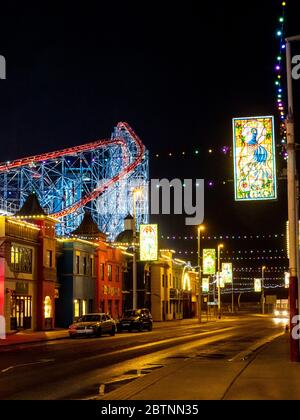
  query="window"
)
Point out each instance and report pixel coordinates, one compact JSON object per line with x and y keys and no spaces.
{"x":117,"y":273}
{"x":84,"y":265}
{"x":49,"y":262}
{"x":47,"y":307}
{"x":101,"y":271}
{"x":77,"y":263}
{"x":109,"y":307}
{"x":83,"y":312}
{"x":92,"y":267}
{"x":21,"y":259}
{"x":76,"y":308}
{"x":91,"y":305}
{"x":109,"y":272}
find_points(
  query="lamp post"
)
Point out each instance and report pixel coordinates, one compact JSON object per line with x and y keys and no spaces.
{"x":262,"y":289}
{"x":292,"y":203}
{"x":199,"y":275}
{"x":220,"y":246}
{"x":136,"y":193}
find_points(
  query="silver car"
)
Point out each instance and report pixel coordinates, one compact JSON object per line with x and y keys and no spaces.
{"x":93,"y":325}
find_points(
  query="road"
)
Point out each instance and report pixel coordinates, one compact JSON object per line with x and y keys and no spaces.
{"x":85,"y":367}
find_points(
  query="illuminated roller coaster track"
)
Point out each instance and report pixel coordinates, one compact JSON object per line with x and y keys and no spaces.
{"x":40,"y":174}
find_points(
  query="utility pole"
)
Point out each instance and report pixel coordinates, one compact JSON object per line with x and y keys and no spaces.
{"x":292,"y":204}
{"x":134,"y":267}
{"x":219,"y":280}
{"x":199,"y":275}
{"x":263,"y":289}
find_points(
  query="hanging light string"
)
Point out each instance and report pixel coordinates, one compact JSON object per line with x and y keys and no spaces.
{"x":279,"y":76}
{"x":175,"y":237}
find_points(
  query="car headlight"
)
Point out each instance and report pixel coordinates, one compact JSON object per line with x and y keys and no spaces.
{"x":277,"y":313}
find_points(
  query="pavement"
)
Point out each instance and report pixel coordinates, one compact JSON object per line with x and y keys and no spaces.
{"x":264,"y":373}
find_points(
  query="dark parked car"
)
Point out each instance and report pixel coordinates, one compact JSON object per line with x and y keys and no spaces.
{"x":93,"y":324}
{"x":136,"y":319}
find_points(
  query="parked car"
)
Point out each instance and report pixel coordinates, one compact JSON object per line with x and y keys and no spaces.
{"x":136,"y":319}
{"x":93,"y":325}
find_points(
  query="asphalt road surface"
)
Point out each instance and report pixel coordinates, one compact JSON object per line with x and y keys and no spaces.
{"x":84,"y":367}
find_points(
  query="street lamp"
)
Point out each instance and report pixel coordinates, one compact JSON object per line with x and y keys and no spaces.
{"x":262,"y":289}
{"x":220,"y":246}
{"x":292,"y":203}
{"x":200,"y":228}
{"x":136,"y":193}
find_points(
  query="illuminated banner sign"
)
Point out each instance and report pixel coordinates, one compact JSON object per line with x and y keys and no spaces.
{"x":254,"y":159}
{"x":209,"y":261}
{"x":227,"y":272}
{"x":257,"y":285}
{"x":205,"y":285}
{"x":148,"y":242}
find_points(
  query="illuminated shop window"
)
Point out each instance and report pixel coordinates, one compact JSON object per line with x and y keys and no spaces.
{"x":76,"y":308}
{"x":83,"y":307}
{"x":47,"y":307}
{"x":21,"y":259}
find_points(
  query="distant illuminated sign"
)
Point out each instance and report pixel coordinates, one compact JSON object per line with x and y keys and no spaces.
{"x":257,"y":285}
{"x":205,"y":285}
{"x":227,"y":272}
{"x":254,"y":159}
{"x":209,"y":261}
{"x":286,"y":280}
{"x":148,"y":242}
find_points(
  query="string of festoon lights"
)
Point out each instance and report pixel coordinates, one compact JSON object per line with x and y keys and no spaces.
{"x":175,"y":237}
{"x":279,"y":75}
{"x":227,"y":259}
{"x":280,"y":95}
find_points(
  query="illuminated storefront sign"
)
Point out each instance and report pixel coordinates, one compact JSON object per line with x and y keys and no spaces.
{"x":254,"y":159}
{"x":209,"y":261}
{"x":148,"y":242}
{"x":257,"y":285}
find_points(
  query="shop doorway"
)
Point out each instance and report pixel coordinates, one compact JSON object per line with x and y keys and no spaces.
{"x":21,"y":312}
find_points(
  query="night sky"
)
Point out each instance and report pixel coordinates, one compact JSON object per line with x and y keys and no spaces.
{"x":177,"y":73}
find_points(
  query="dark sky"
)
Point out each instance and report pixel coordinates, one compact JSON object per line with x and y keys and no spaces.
{"x":177,"y":72}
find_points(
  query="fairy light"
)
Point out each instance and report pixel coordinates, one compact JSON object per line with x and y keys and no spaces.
{"x":280,"y":94}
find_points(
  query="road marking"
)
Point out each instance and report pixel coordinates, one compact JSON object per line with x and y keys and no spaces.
{"x":27,"y":364}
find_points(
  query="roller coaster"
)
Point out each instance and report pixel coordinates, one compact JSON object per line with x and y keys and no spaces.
{"x":99,"y":176}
